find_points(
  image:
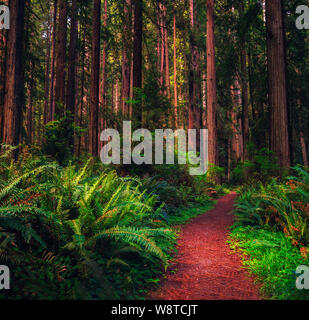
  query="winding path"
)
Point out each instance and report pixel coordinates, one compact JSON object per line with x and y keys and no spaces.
{"x":206,"y":267}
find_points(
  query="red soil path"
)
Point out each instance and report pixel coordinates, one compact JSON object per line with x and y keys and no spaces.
{"x":206,"y":267}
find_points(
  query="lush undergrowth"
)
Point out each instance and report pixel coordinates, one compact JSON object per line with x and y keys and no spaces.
{"x":85,"y":232}
{"x":272,"y":259}
{"x":272,"y":229}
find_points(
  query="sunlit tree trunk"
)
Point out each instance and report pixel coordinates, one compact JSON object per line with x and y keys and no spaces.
{"x":175,"y":74}
{"x":211,"y":87}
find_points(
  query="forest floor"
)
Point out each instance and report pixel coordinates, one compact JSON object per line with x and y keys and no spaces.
{"x":206,"y":267}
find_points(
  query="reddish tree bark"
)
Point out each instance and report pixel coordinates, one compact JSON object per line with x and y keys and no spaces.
{"x":245,"y":95}
{"x":51,"y":112}
{"x":60,"y":99}
{"x":276,"y":57}
{"x":102,"y":94}
{"x":175,"y":74}
{"x":95,"y":79}
{"x":47,"y":70}
{"x":2,"y":76}
{"x":71,"y":85}
{"x":167,"y":62}
{"x":3,"y":40}
{"x":211,"y":87}
{"x":162,"y":49}
{"x":245,"y":102}
{"x":125,"y":91}
{"x":137,"y":55}
{"x":13,"y":100}
{"x":82,"y":101}
{"x":194,"y":73}
{"x":237,"y":138}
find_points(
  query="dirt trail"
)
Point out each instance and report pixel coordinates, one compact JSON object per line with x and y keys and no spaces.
{"x":207,"y":269}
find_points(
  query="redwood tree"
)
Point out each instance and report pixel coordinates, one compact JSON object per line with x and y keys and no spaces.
{"x":175,"y":73}
{"x":277,"y":85}
{"x":126,"y":52}
{"x":61,"y":59}
{"x":14,"y":84}
{"x":95,"y":79}
{"x":194,"y":73}
{"x":137,"y":55}
{"x":211,"y":87}
{"x":71,"y":86}
{"x":51,"y":113}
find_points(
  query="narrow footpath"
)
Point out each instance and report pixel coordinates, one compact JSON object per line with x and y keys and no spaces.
{"x":206,"y":267}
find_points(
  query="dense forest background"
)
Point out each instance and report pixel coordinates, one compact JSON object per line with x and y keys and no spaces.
{"x":70,"y":69}
{"x":74,"y":228}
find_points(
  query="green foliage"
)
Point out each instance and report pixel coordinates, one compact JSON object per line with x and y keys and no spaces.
{"x":62,"y":228}
{"x":59,"y":138}
{"x":262,"y":167}
{"x":272,"y":259}
{"x":282,"y":206}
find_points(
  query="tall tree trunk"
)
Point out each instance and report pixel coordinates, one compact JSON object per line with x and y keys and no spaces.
{"x":2,"y":77}
{"x":14,"y":85}
{"x":244,"y":86}
{"x":102,"y":94}
{"x":211,"y":87}
{"x":158,"y":10}
{"x":162,"y":50}
{"x":204,"y":96}
{"x":194,"y":73}
{"x":82,"y":91}
{"x":53,"y":61}
{"x":30,"y":94}
{"x":245,"y":102}
{"x":95,"y":79}
{"x":137,"y":55}
{"x":3,"y":38}
{"x":276,"y":56}
{"x":237,"y":138}
{"x":167,"y":62}
{"x":175,"y":75}
{"x":61,"y":59}
{"x":47,"y":70}
{"x":71,"y":85}
{"x":125,"y":91}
